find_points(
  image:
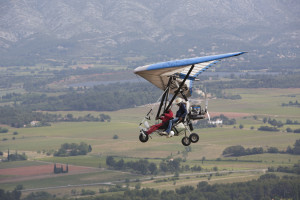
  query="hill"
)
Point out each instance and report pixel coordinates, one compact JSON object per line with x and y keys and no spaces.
{"x":34,"y":31}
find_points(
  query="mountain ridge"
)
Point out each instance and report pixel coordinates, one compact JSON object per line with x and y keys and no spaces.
{"x":71,"y":29}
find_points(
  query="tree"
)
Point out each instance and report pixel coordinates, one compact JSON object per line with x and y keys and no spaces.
{"x":110,"y":161}
{"x":265,"y":120}
{"x":3,"y":130}
{"x":73,"y":192}
{"x":120,"y":164}
{"x":297,"y":130}
{"x":174,"y":165}
{"x":70,"y":117}
{"x":38,"y":195}
{"x":237,"y":150}
{"x":116,"y":137}
{"x":289,"y":130}
{"x":185,"y":190}
{"x":257,"y":150}
{"x":267,"y":128}
{"x":203,"y":159}
{"x":152,"y":168}
{"x":273,"y":150}
{"x":163,"y":166}
{"x":296,"y":149}
{"x":289,"y":150}
{"x":138,"y":186}
{"x":73,"y":149}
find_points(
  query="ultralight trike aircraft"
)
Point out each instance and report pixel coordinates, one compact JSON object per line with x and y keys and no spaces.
{"x":176,"y":78}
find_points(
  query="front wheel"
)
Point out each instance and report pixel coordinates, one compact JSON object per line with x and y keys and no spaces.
{"x":143,"y":138}
{"x":186,"y":141}
{"x":194,"y":137}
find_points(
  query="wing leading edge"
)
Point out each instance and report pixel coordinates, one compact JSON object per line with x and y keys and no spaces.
{"x":159,"y":73}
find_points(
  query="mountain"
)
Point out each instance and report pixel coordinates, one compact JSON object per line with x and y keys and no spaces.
{"x":134,"y":32}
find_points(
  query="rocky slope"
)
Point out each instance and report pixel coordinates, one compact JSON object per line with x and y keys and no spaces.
{"x":33,"y":31}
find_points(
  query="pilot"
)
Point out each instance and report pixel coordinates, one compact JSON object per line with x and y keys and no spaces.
{"x":180,"y":116}
{"x":166,"y":117}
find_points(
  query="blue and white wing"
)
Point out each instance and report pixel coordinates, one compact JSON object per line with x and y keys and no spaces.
{"x":158,"y":74}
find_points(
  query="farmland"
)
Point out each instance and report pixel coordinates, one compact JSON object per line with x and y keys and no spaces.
{"x":38,"y":141}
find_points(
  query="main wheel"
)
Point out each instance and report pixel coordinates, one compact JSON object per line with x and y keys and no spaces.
{"x":143,"y":138}
{"x":194,"y":137}
{"x":186,"y":141}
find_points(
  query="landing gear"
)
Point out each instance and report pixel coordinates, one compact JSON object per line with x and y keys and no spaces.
{"x":144,"y":137}
{"x":194,"y":137}
{"x":186,"y":141}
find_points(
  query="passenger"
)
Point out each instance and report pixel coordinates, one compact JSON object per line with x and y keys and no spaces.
{"x":166,"y":117}
{"x":180,"y":116}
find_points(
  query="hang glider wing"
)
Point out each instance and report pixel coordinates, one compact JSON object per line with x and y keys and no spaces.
{"x":159,"y":73}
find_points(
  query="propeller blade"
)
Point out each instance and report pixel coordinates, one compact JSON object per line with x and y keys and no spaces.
{"x":206,"y":100}
{"x":208,"y":116}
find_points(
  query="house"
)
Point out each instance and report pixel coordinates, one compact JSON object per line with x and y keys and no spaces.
{"x":34,"y":123}
{"x":217,"y":122}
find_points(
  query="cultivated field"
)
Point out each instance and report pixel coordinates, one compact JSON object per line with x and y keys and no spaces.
{"x":92,"y":169}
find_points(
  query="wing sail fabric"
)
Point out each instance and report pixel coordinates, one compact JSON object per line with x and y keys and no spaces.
{"x":159,"y":73}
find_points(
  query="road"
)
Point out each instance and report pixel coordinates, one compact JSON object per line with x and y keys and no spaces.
{"x":146,"y":179}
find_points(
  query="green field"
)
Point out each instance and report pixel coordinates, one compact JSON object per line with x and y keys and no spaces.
{"x":36,"y":142}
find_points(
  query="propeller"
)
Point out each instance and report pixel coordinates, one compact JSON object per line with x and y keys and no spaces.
{"x":206,"y":105}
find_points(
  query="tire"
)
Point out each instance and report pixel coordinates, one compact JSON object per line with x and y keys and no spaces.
{"x":194,"y":137}
{"x":143,"y":139}
{"x":186,"y":141}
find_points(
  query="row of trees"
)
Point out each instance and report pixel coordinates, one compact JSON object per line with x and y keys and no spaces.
{"x":141,"y":166}
{"x":39,"y":83}
{"x":268,"y":186}
{"x":273,"y":122}
{"x":293,"y":169}
{"x":291,"y":103}
{"x":289,"y":121}
{"x":3,"y":130}
{"x":274,"y":129}
{"x":223,"y":95}
{"x":73,"y":149}
{"x":277,"y":124}
{"x":145,"y":167}
{"x":19,"y":116}
{"x":89,"y":118}
{"x":14,"y":157}
{"x":99,"y":98}
{"x":268,"y":128}
{"x":257,"y":81}
{"x":58,"y":170}
{"x":239,"y":150}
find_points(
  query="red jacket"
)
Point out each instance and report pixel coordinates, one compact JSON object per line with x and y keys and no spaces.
{"x":167,"y":116}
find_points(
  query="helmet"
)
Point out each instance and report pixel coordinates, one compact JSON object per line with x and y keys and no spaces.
{"x":178,"y":100}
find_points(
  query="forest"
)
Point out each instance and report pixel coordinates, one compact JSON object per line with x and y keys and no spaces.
{"x":144,"y":167}
{"x":98,"y":98}
{"x":257,"y":81}
{"x":20,"y":116}
{"x":73,"y":149}
{"x":117,"y":96}
{"x":239,"y":150}
{"x":267,"y":187}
